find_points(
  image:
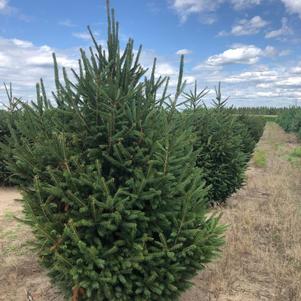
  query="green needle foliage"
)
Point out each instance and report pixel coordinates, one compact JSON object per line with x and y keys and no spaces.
{"x":290,"y":120}
{"x":250,"y":128}
{"x":6,"y":121}
{"x":109,"y":182}
{"x":220,"y":146}
{"x":4,"y":133}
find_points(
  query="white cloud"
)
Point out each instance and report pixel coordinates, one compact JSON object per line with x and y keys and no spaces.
{"x":251,"y":76}
{"x":284,"y":30}
{"x":294,"y":81}
{"x":22,"y":63}
{"x":189,"y":79}
{"x":270,"y":51}
{"x":165,"y":69}
{"x":246,"y":27}
{"x":8,"y":10}
{"x":183,"y":52}
{"x":3,"y":4}
{"x":185,"y":8}
{"x":279,"y":85}
{"x":243,"y":4}
{"x":22,"y":43}
{"x":293,"y":6}
{"x":264,"y":85}
{"x":241,"y":54}
{"x":267,"y":94}
{"x":296,"y":70}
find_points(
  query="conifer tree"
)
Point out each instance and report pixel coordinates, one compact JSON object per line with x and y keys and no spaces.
{"x":6,"y":121}
{"x":219,"y":146}
{"x":110,"y":186}
{"x":4,"y":132}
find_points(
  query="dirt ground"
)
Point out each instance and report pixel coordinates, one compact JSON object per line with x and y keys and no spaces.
{"x":20,"y":274}
{"x":261,"y":259}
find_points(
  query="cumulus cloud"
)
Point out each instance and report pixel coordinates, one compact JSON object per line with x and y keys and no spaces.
{"x":277,"y":85}
{"x":282,"y":31}
{"x":294,"y":81}
{"x":293,"y":6}
{"x":22,"y":63}
{"x":3,"y":4}
{"x":184,"y":8}
{"x":241,"y":54}
{"x":296,"y":70}
{"x":251,"y":76}
{"x":165,"y":69}
{"x":183,"y":52}
{"x":273,"y":85}
{"x":246,"y":27}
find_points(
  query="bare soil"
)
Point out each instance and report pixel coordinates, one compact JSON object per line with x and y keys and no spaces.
{"x":20,"y":274}
{"x":261,"y":259}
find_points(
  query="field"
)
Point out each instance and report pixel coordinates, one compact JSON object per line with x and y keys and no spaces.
{"x":261,"y":258}
{"x":125,"y":184}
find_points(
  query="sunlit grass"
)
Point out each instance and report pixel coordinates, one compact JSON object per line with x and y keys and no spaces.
{"x":259,"y":158}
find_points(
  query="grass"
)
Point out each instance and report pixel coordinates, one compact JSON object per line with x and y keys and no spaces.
{"x":294,"y":156}
{"x":8,"y":215}
{"x":260,"y":158}
{"x":296,"y":152}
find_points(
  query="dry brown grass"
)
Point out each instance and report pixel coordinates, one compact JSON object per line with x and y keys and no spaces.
{"x":262,"y":256}
{"x":261,"y":259}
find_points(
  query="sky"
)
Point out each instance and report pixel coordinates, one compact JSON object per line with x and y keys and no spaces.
{"x":252,"y":46}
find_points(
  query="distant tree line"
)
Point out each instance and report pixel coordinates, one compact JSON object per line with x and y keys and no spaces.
{"x":259,"y":110}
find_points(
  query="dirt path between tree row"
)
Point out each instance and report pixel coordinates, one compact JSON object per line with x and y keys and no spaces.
{"x":261,"y":259}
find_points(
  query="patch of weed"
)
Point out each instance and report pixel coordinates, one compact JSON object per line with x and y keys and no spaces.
{"x":294,"y":156}
{"x":8,"y":215}
{"x":260,"y":159}
{"x":296,"y":152}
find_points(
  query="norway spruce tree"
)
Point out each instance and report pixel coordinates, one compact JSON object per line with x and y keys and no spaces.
{"x":109,"y":182}
{"x":4,"y":132}
{"x":6,"y":121}
{"x":219,"y":145}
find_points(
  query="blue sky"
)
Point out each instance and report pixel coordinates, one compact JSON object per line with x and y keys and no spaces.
{"x":252,"y":46}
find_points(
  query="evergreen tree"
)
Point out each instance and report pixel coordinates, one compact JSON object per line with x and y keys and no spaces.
{"x":219,"y":147}
{"x":110,"y":186}
{"x":6,"y":121}
{"x":4,"y":132}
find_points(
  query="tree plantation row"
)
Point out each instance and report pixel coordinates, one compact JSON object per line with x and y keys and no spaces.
{"x":290,"y":120}
{"x":117,"y":180}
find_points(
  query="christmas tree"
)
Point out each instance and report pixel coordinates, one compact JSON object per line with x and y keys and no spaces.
{"x":110,"y":186}
{"x":219,"y":145}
